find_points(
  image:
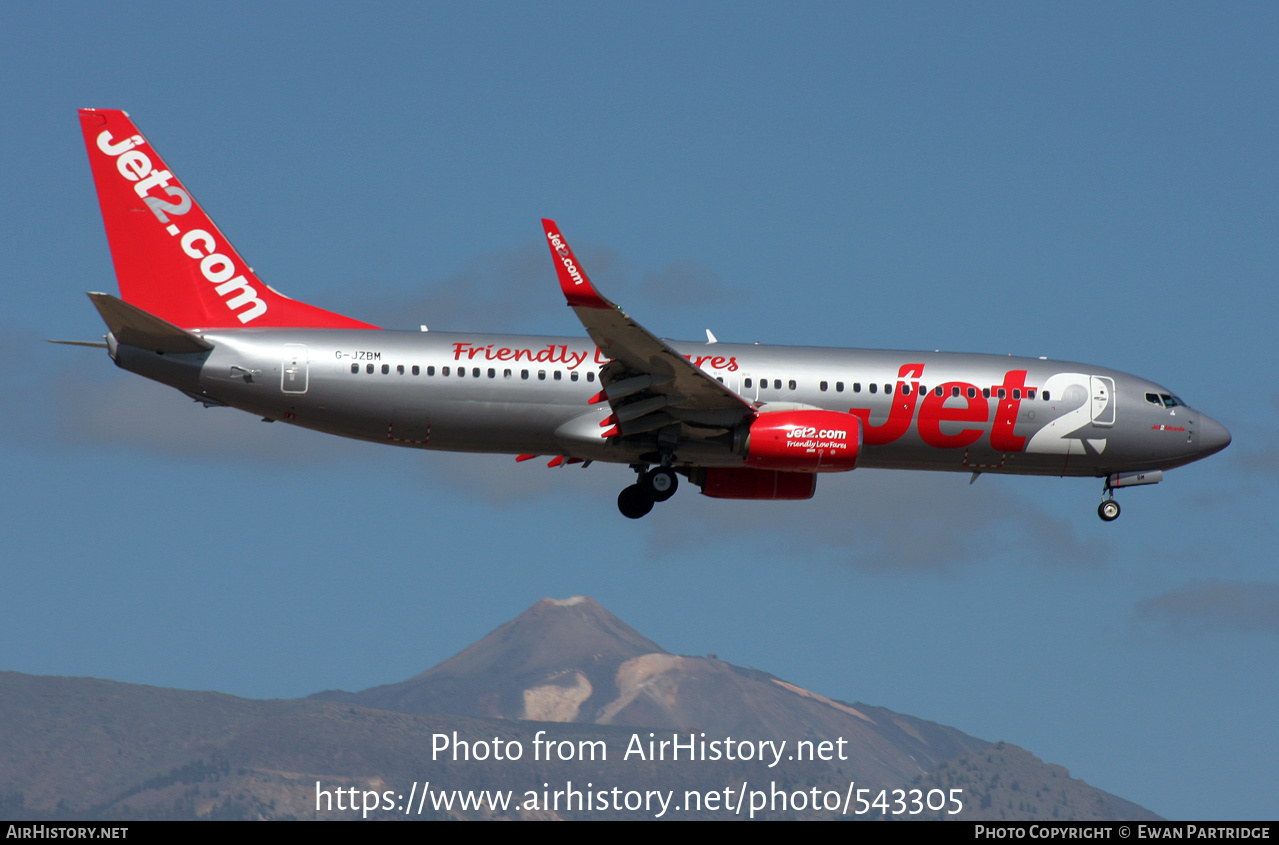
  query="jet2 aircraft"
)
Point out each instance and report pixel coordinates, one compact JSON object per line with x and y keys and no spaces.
{"x":738,"y":421}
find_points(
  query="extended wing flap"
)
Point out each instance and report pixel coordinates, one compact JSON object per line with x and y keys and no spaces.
{"x":643,"y":366}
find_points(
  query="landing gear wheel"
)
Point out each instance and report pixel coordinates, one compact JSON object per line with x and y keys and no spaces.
{"x":1108,"y":510}
{"x":660,"y":483}
{"x":633,"y":502}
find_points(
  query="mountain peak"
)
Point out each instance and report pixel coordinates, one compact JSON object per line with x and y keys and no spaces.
{"x":556,"y":661}
{"x":570,"y":601}
{"x":570,"y":660}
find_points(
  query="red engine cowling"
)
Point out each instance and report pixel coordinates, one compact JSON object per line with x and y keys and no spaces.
{"x":742,"y":483}
{"x":804,"y":441}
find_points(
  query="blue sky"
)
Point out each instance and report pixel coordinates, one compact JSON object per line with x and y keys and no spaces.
{"x":1088,"y":182}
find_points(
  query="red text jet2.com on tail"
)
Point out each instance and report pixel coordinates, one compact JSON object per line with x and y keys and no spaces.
{"x":739,"y":421}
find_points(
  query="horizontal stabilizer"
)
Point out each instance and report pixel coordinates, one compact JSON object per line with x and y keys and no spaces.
{"x":134,"y":327}
{"x":94,"y":344}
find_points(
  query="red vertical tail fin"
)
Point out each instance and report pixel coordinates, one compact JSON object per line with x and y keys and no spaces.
{"x":170,"y":259}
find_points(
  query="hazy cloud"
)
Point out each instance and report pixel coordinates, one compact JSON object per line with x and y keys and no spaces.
{"x":507,"y":290}
{"x":686,"y":284}
{"x":885,"y":521}
{"x":1254,"y":450}
{"x":1264,"y":461}
{"x":87,"y":403}
{"x":500,"y":480}
{"x":1203,"y":607}
{"x":516,"y":290}
{"x":90,"y":404}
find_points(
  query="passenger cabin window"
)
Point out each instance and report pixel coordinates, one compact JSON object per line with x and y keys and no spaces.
{"x":572,"y":376}
{"x":873,"y":387}
{"x":399,"y":368}
{"x":416,"y":370}
{"x":839,"y":387}
{"x":590,"y":376}
{"x":368,"y":368}
{"x":355,"y":368}
{"x":791,"y":384}
{"x":822,"y":386}
{"x":888,"y":389}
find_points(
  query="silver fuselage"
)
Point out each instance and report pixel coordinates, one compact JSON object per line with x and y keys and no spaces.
{"x":531,"y":395}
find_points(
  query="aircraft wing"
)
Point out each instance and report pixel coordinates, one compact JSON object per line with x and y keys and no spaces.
{"x":650,"y":386}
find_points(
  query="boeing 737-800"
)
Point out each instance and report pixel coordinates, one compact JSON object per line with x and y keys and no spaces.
{"x":738,"y":421}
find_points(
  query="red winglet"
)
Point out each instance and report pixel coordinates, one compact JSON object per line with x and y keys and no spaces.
{"x":556,"y":461}
{"x":611,"y":419}
{"x":170,"y":260}
{"x":578,"y":289}
{"x":602,"y":396}
{"x":519,"y":458}
{"x":612,"y":432}
{"x":573,"y":461}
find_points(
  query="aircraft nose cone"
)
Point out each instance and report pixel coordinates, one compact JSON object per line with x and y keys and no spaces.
{"x":1213,"y":436}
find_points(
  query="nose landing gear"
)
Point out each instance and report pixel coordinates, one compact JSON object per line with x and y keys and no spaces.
{"x":655,"y":485}
{"x":1108,"y":510}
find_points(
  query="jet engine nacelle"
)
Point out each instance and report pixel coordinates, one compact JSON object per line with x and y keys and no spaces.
{"x":765,"y":484}
{"x":803,"y":441}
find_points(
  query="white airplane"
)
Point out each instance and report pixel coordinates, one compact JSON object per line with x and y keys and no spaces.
{"x":739,"y":421}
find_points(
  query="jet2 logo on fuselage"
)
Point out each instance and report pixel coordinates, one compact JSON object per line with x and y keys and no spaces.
{"x":958,"y":404}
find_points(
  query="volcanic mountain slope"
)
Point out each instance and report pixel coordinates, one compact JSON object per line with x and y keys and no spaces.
{"x":81,"y":748}
{"x":552,"y":663}
{"x":571,"y":660}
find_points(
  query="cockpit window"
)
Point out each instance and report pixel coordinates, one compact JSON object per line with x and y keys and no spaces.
{"x":1165,"y":400}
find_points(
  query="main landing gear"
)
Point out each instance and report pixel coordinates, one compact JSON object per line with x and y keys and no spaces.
{"x":652,"y":485}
